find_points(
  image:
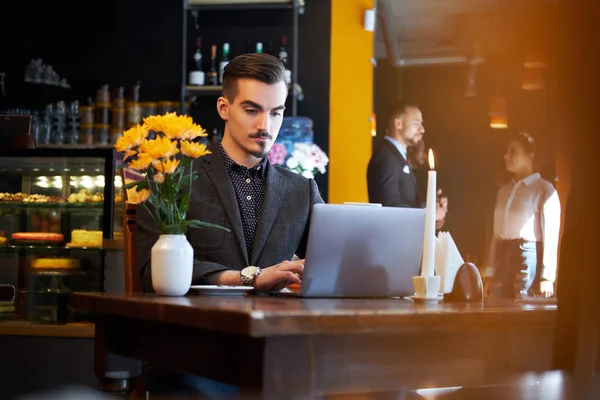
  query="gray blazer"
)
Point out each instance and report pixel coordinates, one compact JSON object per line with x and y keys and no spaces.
{"x":282,"y":230}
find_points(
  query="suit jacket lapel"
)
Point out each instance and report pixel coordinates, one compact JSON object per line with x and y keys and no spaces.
{"x":216,"y":170}
{"x":394,"y":150}
{"x":274,"y":195}
{"x":404,"y":163}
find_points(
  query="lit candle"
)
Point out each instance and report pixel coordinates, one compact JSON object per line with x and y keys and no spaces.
{"x":428,"y":261}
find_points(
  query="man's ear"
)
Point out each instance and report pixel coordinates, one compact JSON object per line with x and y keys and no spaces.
{"x":398,"y":122}
{"x":223,"y":108}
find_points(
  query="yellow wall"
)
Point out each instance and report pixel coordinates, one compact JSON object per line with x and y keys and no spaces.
{"x":350,"y":102}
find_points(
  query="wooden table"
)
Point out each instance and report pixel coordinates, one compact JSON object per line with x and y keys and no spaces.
{"x":274,"y":347}
{"x":549,"y":385}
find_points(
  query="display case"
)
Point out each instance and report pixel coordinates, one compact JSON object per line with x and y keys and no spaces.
{"x":57,"y":211}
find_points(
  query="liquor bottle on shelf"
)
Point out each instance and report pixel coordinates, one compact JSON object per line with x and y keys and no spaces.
{"x":224,"y":61}
{"x":283,"y":56}
{"x":259,"y":47}
{"x":213,"y":76}
{"x":197,"y":76}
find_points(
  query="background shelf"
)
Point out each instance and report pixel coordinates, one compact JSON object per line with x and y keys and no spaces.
{"x":240,"y":4}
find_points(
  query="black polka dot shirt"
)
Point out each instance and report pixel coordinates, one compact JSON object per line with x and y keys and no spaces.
{"x":249,"y":186}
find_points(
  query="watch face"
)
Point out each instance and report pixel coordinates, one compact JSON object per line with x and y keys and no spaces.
{"x":248,"y":274}
{"x":250,"y":271}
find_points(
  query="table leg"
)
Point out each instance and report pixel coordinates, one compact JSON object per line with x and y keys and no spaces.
{"x":100,"y":348}
{"x":287,"y":371}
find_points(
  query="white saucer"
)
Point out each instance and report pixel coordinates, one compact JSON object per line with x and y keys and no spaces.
{"x":423,"y":299}
{"x":221,"y":290}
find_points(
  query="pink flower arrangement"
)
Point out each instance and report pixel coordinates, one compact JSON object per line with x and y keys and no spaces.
{"x":307,"y":159}
{"x":277,"y":154}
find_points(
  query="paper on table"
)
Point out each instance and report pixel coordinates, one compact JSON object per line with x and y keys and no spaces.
{"x":447,"y":260}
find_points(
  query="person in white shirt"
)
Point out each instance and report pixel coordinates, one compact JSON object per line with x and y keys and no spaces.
{"x":523,"y":254}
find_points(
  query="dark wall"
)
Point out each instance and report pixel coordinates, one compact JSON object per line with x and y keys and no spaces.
{"x":469,"y":154}
{"x":122,"y":42}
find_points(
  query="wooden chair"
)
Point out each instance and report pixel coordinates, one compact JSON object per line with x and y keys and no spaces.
{"x":132,"y":278}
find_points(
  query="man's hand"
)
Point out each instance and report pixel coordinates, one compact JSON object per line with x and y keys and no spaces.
{"x":279,"y":276}
{"x":442,"y":206}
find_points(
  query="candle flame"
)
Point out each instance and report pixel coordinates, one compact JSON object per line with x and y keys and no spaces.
{"x":431,"y":160}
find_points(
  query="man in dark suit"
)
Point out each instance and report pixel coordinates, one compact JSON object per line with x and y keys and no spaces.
{"x":266,"y":207}
{"x":390,"y":178}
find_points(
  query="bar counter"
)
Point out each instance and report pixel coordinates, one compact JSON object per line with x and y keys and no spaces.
{"x":274,"y":346}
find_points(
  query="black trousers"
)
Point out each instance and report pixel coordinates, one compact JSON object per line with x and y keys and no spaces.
{"x":519,"y":268}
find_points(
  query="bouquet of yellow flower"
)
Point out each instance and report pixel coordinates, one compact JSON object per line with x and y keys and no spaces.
{"x":166,"y":161}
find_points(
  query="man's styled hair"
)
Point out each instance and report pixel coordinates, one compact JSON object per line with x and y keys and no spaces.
{"x":258,"y":66}
{"x":398,"y":109}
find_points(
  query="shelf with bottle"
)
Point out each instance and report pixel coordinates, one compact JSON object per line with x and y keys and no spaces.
{"x":209,"y":83}
{"x":242,"y":5}
{"x":210,"y":91}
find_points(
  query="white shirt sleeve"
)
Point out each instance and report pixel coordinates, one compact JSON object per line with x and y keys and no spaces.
{"x":550,"y":234}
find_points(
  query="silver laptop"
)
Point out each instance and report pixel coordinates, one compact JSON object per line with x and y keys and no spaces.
{"x":361,"y":251}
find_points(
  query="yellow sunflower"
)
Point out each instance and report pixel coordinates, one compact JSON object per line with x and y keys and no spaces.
{"x":193,"y":150}
{"x":161,"y":147}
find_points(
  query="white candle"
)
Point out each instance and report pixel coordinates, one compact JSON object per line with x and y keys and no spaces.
{"x":428,"y":261}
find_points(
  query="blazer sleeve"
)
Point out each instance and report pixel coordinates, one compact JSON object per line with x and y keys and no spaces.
{"x":147,"y":234}
{"x":315,"y":198}
{"x":384,"y":182}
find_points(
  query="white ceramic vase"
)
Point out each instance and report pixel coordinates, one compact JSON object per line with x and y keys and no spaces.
{"x":172,"y":260}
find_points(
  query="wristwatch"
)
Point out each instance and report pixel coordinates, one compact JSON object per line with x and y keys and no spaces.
{"x":249,"y":274}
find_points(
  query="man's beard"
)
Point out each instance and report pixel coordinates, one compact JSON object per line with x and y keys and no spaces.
{"x":264,"y":145}
{"x":413,"y":142}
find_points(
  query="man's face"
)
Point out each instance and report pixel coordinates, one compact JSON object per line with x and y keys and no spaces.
{"x":410,"y":126}
{"x":254,"y":116}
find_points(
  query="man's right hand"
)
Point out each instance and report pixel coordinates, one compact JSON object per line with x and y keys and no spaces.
{"x":442,"y":206}
{"x":279,"y":276}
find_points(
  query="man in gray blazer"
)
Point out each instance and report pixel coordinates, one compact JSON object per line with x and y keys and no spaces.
{"x":266,"y":207}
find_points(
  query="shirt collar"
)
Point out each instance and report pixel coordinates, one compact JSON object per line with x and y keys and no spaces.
{"x":530,"y":179}
{"x":401,"y":148}
{"x":231,"y":165}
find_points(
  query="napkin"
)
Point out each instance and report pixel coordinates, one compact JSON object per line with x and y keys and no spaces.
{"x":447,"y":260}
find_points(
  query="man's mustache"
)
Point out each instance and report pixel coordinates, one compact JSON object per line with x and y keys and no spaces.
{"x":260,"y":135}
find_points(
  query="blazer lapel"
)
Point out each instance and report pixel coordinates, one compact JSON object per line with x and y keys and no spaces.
{"x":404,"y":163}
{"x":274,"y":195}
{"x":217,"y":172}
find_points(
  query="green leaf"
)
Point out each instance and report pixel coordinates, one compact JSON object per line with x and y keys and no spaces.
{"x":179,"y":229}
{"x":139,"y":185}
{"x":185,"y":201}
{"x":201,"y":224}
